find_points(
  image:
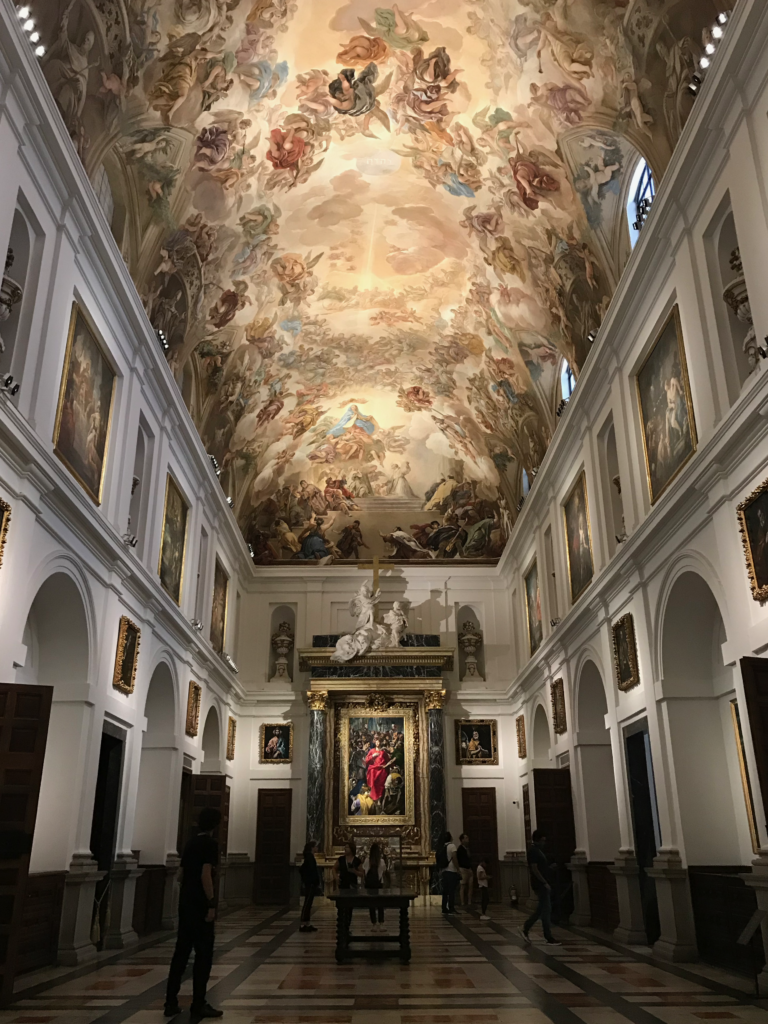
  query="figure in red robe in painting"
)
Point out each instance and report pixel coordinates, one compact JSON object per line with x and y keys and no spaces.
{"x":376,"y":761}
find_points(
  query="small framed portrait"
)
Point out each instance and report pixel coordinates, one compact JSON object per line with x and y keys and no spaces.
{"x":231,"y":734}
{"x":174,"y":537}
{"x":84,"y":412}
{"x":477,"y":741}
{"x":559,"y":718}
{"x":625,"y":653}
{"x":276,"y":745}
{"x":578,"y":538}
{"x":666,"y":409}
{"x":533,"y":609}
{"x":127,"y":657}
{"x":522,"y":745}
{"x":5,"y":522}
{"x":194,"y":699}
{"x":219,"y":608}
{"x":753,"y":523}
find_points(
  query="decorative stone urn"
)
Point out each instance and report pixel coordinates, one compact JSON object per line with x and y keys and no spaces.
{"x":10,"y":292}
{"x":737,"y":297}
{"x":282,"y":645}
{"x":470,"y":639}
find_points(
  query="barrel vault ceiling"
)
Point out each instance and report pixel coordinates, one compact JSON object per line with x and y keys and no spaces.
{"x":371,"y":235}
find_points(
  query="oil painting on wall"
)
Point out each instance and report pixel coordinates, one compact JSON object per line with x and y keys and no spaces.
{"x":476,"y":741}
{"x":578,"y":538}
{"x":174,"y":536}
{"x":5,"y":522}
{"x":276,"y":744}
{"x":371,"y":236}
{"x":84,"y":413}
{"x":127,"y":656}
{"x":666,"y":408}
{"x":753,"y":522}
{"x":533,"y":609}
{"x":219,"y":608}
{"x":625,"y":653}
{"x":377,"y":766}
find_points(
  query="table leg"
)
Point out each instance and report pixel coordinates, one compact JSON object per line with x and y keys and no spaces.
{"x":405,"y":936}
{"x":342,"y":934}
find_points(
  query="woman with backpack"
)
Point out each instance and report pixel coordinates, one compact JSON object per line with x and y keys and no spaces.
{"x":374,"y":868}
{"x":450,"y":876}
{"x":310,"y":879}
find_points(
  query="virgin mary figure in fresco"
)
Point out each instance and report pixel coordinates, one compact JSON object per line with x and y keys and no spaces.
{"x":376,"y":761}
{"x":353,"y":418}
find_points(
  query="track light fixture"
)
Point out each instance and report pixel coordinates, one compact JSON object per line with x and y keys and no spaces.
{"x":197,"y":624}
{"x":715,"y":35}
{"x":215,"y":464}
{"x":28,"y":24}
{"x":230,"y":663}
{"x":8,"y":387}
{"x":230,"y":502}
{"x":163,"y":339}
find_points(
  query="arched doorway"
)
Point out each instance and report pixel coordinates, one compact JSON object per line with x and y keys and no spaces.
{"x":211,"y":742}
{"x":541,"y":739}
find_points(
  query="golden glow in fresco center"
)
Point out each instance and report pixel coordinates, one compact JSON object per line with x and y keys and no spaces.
{"x":373,"y":234}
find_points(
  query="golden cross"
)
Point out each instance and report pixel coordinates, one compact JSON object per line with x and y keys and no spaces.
{"x":375,"y":564}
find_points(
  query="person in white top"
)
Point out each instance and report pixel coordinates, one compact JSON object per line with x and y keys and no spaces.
{"x":450,"y":877}
{"x":374,"y":869}
{"x":482,"y":885}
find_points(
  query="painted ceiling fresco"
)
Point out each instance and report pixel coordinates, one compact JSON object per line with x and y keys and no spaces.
{"x":372,"y":234}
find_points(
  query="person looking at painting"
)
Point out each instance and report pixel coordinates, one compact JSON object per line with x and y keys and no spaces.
{"x":347,"y":870}
{"x":482,"y":884}
{"x":374,"y":869}
{"x":310,"y":879}
{"x":447,"y":862}
{"x":465,"y":870}
{"x":197,"y":902}
{"x":542,"y":887}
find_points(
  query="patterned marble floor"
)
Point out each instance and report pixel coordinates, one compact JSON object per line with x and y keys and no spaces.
{"x":463,"y":971}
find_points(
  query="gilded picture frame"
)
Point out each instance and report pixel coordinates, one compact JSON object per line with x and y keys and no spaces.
{"x":347,"y":716}
{"x":194,"y":700}
{"x":559,"y":715}
{"x":5,"y":522}
{"x":85,"y":405}
{"x":276,"y":743}
{"x":625,"y":662}
{"x":477,"y":741}
{"x":173,"y":542}
{"x":231,"y":737}
{"x":753,"y":525}
{"x":665,"y":356}
{"x":522,"y":743}
{"x":746,"y":783}
{"x":532,"y":594}
{"x":126,"y":656}
{"x":219,"y":607}
{"x":577,"y":526}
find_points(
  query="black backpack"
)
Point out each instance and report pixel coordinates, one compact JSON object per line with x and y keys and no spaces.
{"x":441,"y":857}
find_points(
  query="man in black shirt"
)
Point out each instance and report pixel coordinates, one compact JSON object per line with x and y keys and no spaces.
{"x":541,"y":885}
{"x":465,"y":870}
{"x":196,"y":915}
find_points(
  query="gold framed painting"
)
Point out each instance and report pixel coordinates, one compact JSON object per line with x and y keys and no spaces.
{"x":219,"y":608}
{"x":522,"y":745}
{"x":376,"y":776}
{"x":578,"y":538}
{"x":5,"y":522}
{"x":666,"y":408}
{"x":625,"y":653}
{"x":127,"y":656}
{"x":559,"y":717}
{"x":533,"y":609}
{"x":753,"y":524}
{"x":276,"y":743}
{"x":84,"y":411}
{"x":477,"y":741}
{"x":746,"y":783}
{"x":194,"y":699}
{"x":231,"y":734}
{"x":170,"y":567}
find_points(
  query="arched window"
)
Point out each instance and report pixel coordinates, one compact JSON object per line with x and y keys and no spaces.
{"x":641,"y":194}
{"x":567,"y":382}
{"x":526,"y":484}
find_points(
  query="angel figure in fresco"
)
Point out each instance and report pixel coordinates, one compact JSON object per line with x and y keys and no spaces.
{"x":398,"y":29}
{"x":567,"y":103}
{"x":180,"y":65}
{"x":632,"y":105}
{"x":356,"y":95}
{"x":573,"y":55}
{"x":66,"y":70}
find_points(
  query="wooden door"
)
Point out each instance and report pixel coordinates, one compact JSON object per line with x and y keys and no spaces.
{"x":754,"y":672}
{"x":184,"y":830}
{"x":24,"y":715}
{"x":272,"y":871}
{"x":527,"y":815}
{"x":553,"y":803}
{"x":479,"y":817}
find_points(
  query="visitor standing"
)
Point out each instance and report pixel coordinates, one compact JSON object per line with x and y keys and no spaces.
{"x":374,"y":867}
{"x":310,"y":879}
{"x":197,"y":902}
{"x":465,"y":870}
{"x":348,"y":870}
{"x":542,"y":887}
{"x":482,"y":884}
{"x":447,"y":862}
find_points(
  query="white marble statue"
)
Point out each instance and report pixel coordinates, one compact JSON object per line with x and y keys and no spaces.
{"x":370,"y":635}
{"x":397,"y":621}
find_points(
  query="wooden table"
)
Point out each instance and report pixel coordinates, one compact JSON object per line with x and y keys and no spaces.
{"x":347,"y":900}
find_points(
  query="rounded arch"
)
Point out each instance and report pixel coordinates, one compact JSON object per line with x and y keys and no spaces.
{"x":211,"y":739}
{"x":591,"y":701}
{"x":57,"y":635}
{"x":600,"y":832}
{"x":160,"y":703}
{"x":541,"y":736}
{"x":61,"y":563}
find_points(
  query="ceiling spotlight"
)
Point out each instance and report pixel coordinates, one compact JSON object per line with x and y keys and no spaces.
{"x":704,"y":62}
{"x":215,"y":464}
{"x":230,"y":502}
{"x":8,"y":387}
{"x":717,"y":32}
{"x":228,"y":659}
{"x":39,"y":51}
{"x":709,"y":48}
{"x":251,"y":552}
{"x":23,"y":13}
{"x":591,"y":337}
{"x":34,"y":37}
{"x":722,"y":18}
{"x":28,"y":25}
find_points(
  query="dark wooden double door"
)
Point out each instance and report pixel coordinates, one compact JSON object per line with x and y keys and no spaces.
{"x":272,"y":870}
{"x":552,"y":802}
{"x":478,"y":806}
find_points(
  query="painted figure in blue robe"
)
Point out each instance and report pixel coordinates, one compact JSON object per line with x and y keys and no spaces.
{"x":353,"y":418}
